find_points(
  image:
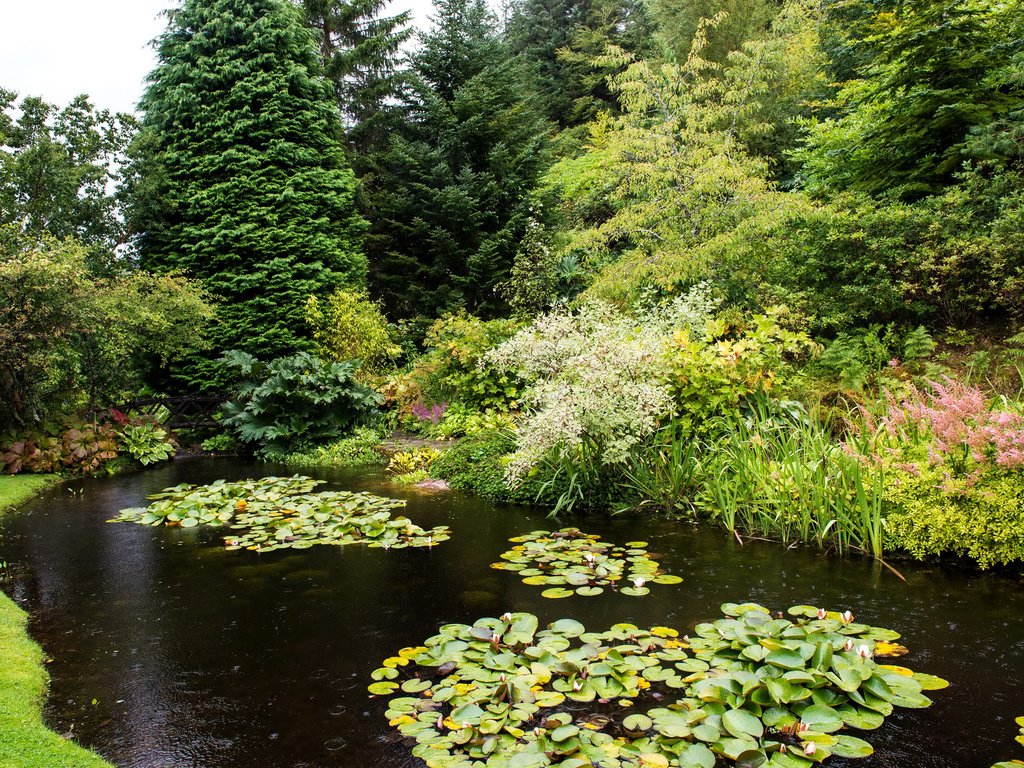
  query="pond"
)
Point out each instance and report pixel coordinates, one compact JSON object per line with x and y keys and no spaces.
{"x":170,"y":651}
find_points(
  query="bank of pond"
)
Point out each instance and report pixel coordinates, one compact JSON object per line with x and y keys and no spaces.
{"x":216,"y":612}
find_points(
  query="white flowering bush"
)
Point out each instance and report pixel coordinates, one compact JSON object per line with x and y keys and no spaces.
{"x":598,"y":382}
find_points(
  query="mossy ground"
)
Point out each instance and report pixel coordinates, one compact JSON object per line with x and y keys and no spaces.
{"x":24,"y":741}
{"x":17,"y":489}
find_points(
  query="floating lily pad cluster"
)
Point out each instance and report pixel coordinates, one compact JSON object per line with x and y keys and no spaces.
{"x":571,"y":562}
{"x":751,"y":689}
{"x":1020,"y":740}
{"x":284,"y":512}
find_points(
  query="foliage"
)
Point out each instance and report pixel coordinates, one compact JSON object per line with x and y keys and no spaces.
{"x":679,"y":23}
{"x":27,"y":743}
{"x":785,"y":476}
{"x":348,"y":326}
{"x":69,"y":338}
{"x":460,"y":420}
{"x":360,"y":449}
{"x":869,"y":357}
{"x":929,"y":78}
{"x":932,"y":511}
{"x":58,"y":169}
{"x":956,"y":482}
{"x":595,"y":386}
{"x":360,"y":50}
{"x":477,"y":464}
{"x":412,"y":461}
{"x":456,"y":370}
{"x":562,"y":40}
{"x":221,"y":443}
{"x":450,"y":190}
{"x":294,"y":402}
{"x":79,"y":448}
{"x":283,"y":513}
{"x":735,"y":361}
{"x":240,"y":177}
{"x":147,"y":443}
{"x":583,"y":563}
{"x":748,"y":689}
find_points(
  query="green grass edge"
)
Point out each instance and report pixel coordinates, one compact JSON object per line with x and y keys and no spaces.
{"x":15,"y":490}
{"x":25,"y":742}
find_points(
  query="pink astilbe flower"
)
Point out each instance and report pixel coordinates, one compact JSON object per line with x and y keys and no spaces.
{"x":958,"y":422}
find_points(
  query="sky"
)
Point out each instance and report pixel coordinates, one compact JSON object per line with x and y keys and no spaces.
{"x":60,"y":48}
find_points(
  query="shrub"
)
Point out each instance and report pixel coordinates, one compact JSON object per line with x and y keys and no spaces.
{"x":295,"y":402}
{"x":933,"y":512}
{"x":146,"y":442}
{"x":360,"y":449}
{"x":477,"y":464}
{"x":348,"y":326}
{"x":81,"y":448}
{"x":70,"y":339}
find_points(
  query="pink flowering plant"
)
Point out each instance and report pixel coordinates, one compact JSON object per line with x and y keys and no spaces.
{"x":954,"y":479}
{"x":958,"y":427}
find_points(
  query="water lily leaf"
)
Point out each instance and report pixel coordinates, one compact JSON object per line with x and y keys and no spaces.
{"x":742,"y":724}
{"x":567,"y":627}
{"x":637,"y":723}
{"x":589,"y":591}
{"x":556,"y":593}
{"x":667,"y":578}
{"x":697,"y":756}
{"x":563,"y":732}
{"x":653,"y":760}
{"x":382,"y":688}
{"x":932,"y":683}
{"x":415,"y":686}
{"x":851,"y":746}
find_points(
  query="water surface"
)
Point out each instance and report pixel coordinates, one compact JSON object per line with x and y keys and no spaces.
{"x":170,"y":652}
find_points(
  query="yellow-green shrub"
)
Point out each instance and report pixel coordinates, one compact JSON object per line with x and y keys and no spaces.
{"x":348,"y":326}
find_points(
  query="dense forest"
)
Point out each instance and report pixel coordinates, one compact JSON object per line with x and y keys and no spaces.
{"x":601,"y":243}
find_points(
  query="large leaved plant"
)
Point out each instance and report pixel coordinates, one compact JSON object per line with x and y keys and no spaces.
{"x":296,"y":401}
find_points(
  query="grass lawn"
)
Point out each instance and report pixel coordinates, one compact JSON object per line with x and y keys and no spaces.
{"x":17,"y":489}
{"x":24,"y":741}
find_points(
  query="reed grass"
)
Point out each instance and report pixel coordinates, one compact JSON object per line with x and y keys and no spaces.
{"x":787,"y":478}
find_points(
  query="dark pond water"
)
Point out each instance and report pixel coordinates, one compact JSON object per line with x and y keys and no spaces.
{"x":170,"y":652}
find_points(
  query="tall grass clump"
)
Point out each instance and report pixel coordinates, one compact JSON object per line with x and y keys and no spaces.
{"x":784,"y":476}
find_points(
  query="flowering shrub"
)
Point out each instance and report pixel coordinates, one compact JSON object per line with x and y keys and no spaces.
{"x":958,"y":427}
{"x":598,"y":387}
{"x":955,"y":483}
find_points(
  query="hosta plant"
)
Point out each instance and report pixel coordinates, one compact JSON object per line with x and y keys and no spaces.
{"x":571,"y":562}
{"x":146,"y":442}
{"x":284,"y":512}
{"x":751,"y":689}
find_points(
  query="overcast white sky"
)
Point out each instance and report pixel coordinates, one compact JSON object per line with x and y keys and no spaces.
{"x":58,"y":49}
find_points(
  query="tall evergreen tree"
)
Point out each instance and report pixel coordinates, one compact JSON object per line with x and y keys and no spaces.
{"x":449,"y":194}
{"x":564,"y":39}
{"x":243,"y":178}
{"x":360,"y":48}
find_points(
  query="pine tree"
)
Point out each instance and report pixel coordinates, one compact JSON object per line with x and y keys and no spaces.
{"x":449,"y":194}
{"x":360,"y":49}
{"x":242,"y":180}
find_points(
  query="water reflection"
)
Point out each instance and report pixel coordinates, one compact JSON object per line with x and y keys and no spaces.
{"x":198,"y":657}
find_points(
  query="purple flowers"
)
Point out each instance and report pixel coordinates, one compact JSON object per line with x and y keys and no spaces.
{"x":432,"y":414}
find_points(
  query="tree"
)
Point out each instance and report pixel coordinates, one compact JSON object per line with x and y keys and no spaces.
{"x":928,"y":76}
{"x":241,"y":178}
{"x":69,"y":338}
{"x":360,"y":48}
{"x":58,"y":168}
{"x":744,"y":20}
{"x":449,"y":193}
{"x":564,"y":40}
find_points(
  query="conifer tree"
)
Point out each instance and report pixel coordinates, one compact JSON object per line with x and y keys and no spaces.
{"x":360,"y":48}
{"x":450,"y":192}
{"x":242,"y":180}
